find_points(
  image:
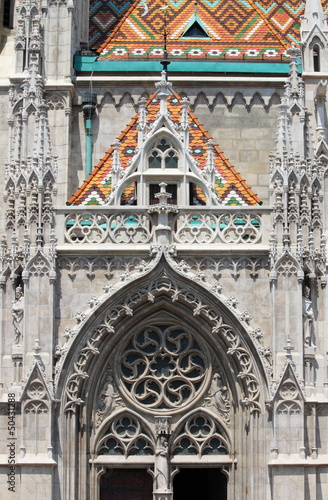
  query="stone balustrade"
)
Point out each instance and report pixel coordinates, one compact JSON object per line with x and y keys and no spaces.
{"x":181,"y":226}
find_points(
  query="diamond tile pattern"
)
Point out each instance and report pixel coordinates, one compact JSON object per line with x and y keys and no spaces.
{"x":229,"y":186}
{"x":237,"y":29}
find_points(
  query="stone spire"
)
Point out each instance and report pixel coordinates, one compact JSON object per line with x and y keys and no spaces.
{"x":314,"y":37}
{"x":293,"y":125}
{"x":31,"y":169}
{"x":313,"y":12}
{"x":296,"y":182}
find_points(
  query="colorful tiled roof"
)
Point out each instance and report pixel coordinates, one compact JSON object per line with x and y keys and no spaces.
{"x":104,"y":17}
{"x":229,"y":186}
{"x":236,"y":29}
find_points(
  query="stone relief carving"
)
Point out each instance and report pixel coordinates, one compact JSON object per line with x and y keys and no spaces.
{"x":39,"y":266}
{"x":289,"y":408}
{"x":108,"y":398}
{"x":120,"y":228}
{"x":18,"y":315}
{"x":288,"y":391}
{"x":322,"y":410}
{"x":218,"y":396}
{"x":198,"y":227}
{"x":162,"y":469}
{"x":287,"y":266}
{"x":55,"y":102}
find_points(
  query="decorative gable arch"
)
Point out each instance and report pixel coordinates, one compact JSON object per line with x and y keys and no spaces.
{"x":162,"y":289}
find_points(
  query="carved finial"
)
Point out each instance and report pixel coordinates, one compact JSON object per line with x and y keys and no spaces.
{"x":184,"y":114}
{"x":37,"y":348}
{"x":209,"y":169}
{"x":163,"y":195}
{"x":289,"y":348}
{"x":142,"y":113}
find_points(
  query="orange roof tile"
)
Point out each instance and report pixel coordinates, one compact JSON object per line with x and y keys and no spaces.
{"x":228,"y":182}
{"x":237,"y":29}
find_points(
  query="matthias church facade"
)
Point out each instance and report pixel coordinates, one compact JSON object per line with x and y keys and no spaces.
{"x":164,"y":308}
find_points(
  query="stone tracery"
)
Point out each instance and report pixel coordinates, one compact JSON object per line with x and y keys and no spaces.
{"x":163,"y":368}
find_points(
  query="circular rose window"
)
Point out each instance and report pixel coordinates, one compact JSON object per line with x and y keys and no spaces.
{"x":163,"y":368}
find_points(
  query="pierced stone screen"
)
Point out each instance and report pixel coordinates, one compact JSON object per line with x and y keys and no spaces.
{"x":163,"y":367}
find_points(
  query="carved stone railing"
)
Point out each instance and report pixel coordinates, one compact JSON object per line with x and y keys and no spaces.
{"x":185,"y":226}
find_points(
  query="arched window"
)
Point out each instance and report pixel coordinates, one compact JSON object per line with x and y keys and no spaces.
{"x":163,"y":156}
{"x":316,"y":58}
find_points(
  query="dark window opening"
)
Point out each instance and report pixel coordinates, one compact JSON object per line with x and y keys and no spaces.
{"x":195,"y":31}
{"x":316,"y":58}
{"x":207,"y":484}
{"x":170,"y":188}
{"x":121,"y":484}
{"x":196,"y":195}
{"x":8,"y":14}
{"x":129,"y":195}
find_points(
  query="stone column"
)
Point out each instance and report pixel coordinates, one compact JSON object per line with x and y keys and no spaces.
{"x":162,"y":478}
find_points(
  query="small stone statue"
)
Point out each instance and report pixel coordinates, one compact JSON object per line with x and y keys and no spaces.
{"x":162,"y":473}
{"x":108,"y":398}
{"x":217,"y":395}
{"x":308,"y":318}
{"x":18,"y":314}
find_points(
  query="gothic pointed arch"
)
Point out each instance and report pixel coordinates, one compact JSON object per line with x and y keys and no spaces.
{"x":124,"y":434}
{"x":287,"y":265}
{"x":148,"y":301}
{"x":201,"y":434}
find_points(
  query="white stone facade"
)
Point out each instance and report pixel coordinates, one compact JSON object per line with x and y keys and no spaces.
{"x":164,"y":347}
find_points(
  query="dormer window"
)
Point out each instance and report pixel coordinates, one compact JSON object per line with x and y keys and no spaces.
{"x":163,"y":156}
{"x":195,"y":31}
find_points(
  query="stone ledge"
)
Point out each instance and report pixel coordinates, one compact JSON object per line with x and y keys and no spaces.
{"x":295,"y":460}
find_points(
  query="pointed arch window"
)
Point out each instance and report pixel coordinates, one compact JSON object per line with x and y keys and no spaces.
{"x":316,"y":58}
{"x":163,"y":155}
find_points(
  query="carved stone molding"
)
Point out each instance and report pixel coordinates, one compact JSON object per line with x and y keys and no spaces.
{"x":115,"y":268}
{"x":176,"y":293}
{"x":227,"y":98}
{"x":211,"y":269}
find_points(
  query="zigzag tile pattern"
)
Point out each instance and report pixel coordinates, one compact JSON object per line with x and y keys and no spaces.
{"x":237,"y":29}
{"x":229,"y":186}
{"x":104,"y":17}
